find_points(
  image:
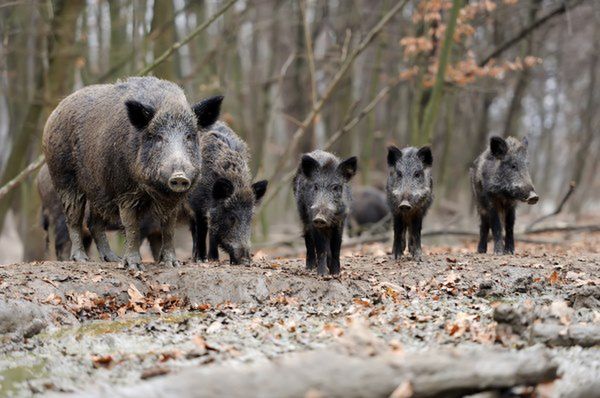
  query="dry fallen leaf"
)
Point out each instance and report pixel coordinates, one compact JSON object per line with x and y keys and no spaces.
{"x":53,"y":299}
{"x":553,"y":278}
{"x":102,"y":361}
{"x":561,"y":310}
{"x":404,"y":390}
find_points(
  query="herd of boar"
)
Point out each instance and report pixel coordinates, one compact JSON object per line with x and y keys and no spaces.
{"x":136,"y":156}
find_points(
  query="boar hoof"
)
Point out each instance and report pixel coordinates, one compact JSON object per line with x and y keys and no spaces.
{"x":79,"y":256}
{"x":132,"y":263}
{"x":509,"y":251}
{"x":418,"y":257}
{"x":110,"y":257}
{"x":170,"y":263}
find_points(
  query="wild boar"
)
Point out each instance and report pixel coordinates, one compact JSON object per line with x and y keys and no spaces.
{"x":323,"y":198}
{"x":222,"y":202}
{"x":410,"y":194}
{"x":500,"y":178}
{"x":127,"y":149}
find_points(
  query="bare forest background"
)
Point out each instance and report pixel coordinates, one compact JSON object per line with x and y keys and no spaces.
{"x":351,"y":76}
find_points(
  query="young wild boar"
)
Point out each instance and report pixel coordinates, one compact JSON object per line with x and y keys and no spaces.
{"x":500,"y":178}
{"x":369,"y":206}
{"x":127,"y":149}
{"x":323,"y":196}
{"x":409,"y":193}
{"x":223,"y":200}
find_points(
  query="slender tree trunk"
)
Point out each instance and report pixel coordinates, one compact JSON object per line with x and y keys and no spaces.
{"x":58,"y":82}
{"x":163,"y":26}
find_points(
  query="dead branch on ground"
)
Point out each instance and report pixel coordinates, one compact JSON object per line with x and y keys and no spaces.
{"x":558,"y":209}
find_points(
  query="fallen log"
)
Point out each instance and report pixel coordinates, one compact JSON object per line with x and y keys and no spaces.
{"x":330,"y":373}
{"x":554,"y":335}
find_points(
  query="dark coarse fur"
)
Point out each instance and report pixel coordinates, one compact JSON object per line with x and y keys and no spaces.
{"x":323,"y":198}
{"x":224,"y":198}
{"x":369,"y":206}
{"x":500,"y":178}
{"x":54,"y":222}
{"x":410,"y":194}
{"x":53,"y":219}
{"x":127,"y":149}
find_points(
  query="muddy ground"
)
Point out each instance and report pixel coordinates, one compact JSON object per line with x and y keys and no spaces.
{"x":69,"y":327}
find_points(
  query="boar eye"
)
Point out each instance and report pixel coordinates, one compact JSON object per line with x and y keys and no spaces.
{"x":513,"y":166}
{"x":418,"y":174}
{"x":315,"y":187}
{"x":190,"y":136}
{"x":399,"y":174}
{"x":337,"y":188}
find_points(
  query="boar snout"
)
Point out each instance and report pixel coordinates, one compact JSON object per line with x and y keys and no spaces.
{"x":532,"y":198}
{"x":322,"y":216}
{"x":178,"y":182}
{"x":239,"y":255}
{"x":405,"y":205}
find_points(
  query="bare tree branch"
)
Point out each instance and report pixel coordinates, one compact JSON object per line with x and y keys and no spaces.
{"x":527,"y":30}
{"x":316,"y":109}
{"x":147,"y":69}
{"x":19,"y":178}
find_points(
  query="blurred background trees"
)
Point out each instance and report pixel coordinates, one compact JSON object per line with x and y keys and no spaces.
{"x":352,"y":75}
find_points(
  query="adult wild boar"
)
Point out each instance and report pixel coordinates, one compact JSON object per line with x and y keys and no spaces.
{"x":500,"y":177}
{"x":128,"y":149}
{"x":409,"y":191}
{"x":323,"y":197}
{"x":223,"y":200}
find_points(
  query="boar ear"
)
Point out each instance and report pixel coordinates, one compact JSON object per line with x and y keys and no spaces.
{"x":259,"y":188}
{"x":425,"y":155}
{"x":222,"y":189}
{"x":308,"y":165}
{"x":394,"y":154}
{"x":525,"y":142}
{"x":139,"y":114}
{"x":348,"y":168}
{"x":498,"y":147}
{"x":207,"y":111}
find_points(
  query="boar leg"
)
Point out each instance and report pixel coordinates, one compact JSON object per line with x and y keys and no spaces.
{"x":311,"y":256}
{"x":74,"y":205}
{"x":496,"y":226}
{"x":213,"y":248}
{"x":509,"y":225}
{"x":155,"y":242}
{"x":414,"y":240}
{"x":399,"y":237}
{"x":484,"y":229}
{"x":62,"y":243}
{"x":98,"y":231}
{"x":323,"y":250}
{"x":131,"y":222}
{"x":336,"y":245}
{"x":167,"y":251}
{"x":199,"y":237}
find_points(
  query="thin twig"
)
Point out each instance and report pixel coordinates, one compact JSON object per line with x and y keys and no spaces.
{"x":274,"y":190}
{"x":299,"y":133}
{"x":147,"y":69}
{"x":526,"y":31}
{"x":15,"y":182}
{"x":558,"y":209}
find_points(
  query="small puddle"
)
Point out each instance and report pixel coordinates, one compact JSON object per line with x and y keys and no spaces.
{"x":11,"y":378}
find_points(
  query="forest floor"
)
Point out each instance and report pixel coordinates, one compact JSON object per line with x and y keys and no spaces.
{"x":71,"y":327}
